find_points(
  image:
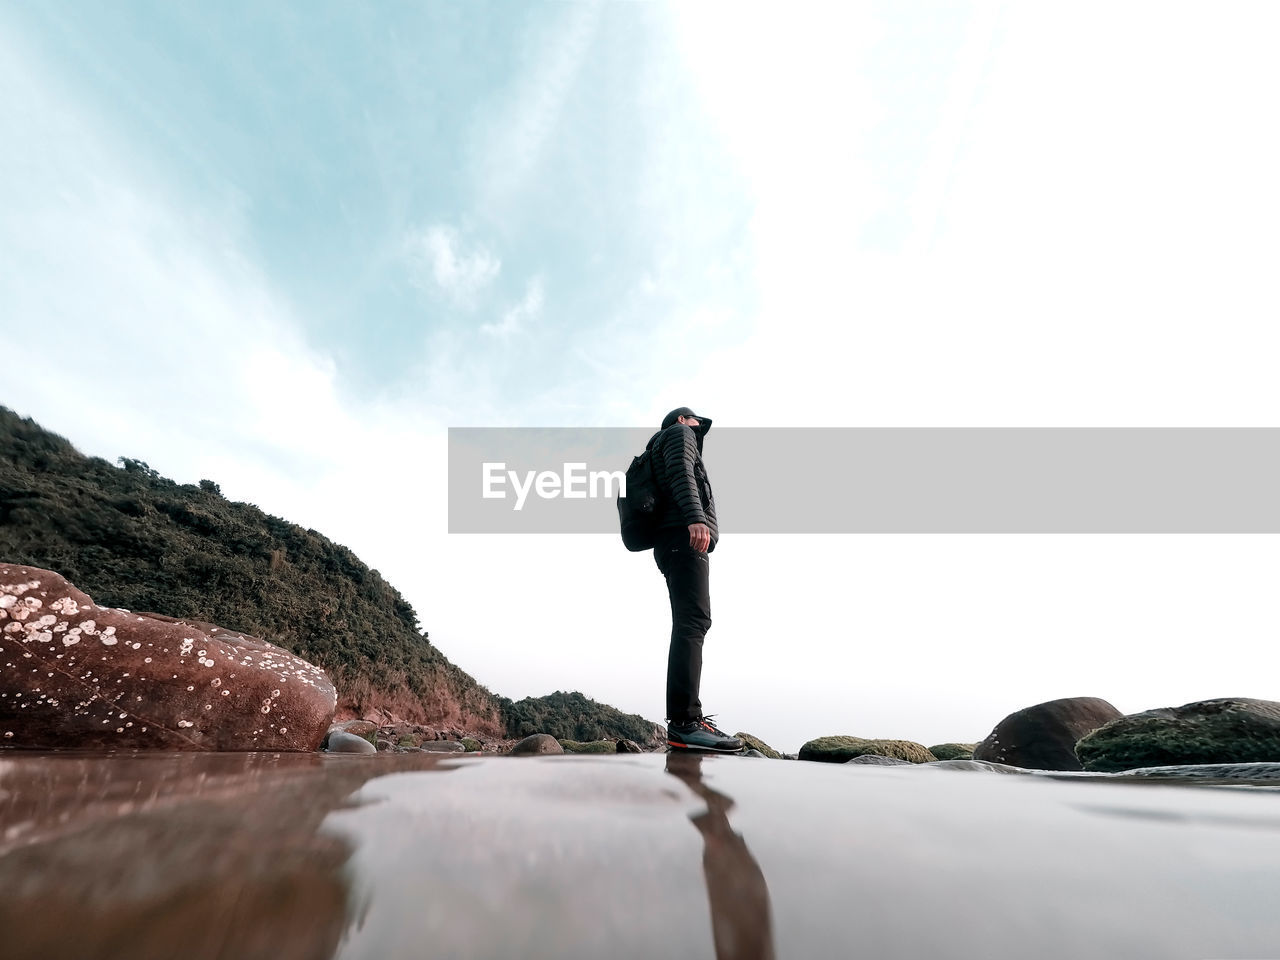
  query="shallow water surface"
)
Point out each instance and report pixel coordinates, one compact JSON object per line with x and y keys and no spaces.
{"x":309,"y":856}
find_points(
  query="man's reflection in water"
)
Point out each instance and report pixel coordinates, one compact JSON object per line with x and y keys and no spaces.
{"x":740,"y":924}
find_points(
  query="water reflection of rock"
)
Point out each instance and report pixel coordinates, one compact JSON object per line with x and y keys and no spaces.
{"x":288,"y":856}
{"x":191,"y":855}
{"x":741,"y":926}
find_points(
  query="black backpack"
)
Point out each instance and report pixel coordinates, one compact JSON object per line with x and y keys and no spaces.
{"x":638,"y":510}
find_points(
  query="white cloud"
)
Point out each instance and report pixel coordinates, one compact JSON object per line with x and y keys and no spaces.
{"x":443,"y":262}
{"x":1089,"y":245}
{"x":515,"y":319}
{"x":509,"y":139}
{"x":168,"y":344}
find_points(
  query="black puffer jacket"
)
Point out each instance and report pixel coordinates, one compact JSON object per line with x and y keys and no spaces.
{"x":677,"y":461}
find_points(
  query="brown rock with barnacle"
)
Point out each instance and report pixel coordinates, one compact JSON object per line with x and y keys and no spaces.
{"x":74,"y":675}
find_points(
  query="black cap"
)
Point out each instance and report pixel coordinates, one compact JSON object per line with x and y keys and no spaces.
{"x":704,"y":423}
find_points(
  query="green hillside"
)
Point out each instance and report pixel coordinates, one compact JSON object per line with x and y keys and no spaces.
{"x":131,"y":538}
{"x":572,"y":716}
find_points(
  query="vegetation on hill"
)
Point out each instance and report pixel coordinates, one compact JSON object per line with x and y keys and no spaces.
{"x":131,"y":538}
{"x":572,"y":716}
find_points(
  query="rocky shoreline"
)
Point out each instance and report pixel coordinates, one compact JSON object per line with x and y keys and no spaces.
{"x":1222,"y":740}
{"x":78,"y":676}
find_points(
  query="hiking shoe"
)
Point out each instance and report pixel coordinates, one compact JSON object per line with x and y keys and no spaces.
{"x":701,"y":734}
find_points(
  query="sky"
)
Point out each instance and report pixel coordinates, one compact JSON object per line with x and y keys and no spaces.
{"x":286,"y":246}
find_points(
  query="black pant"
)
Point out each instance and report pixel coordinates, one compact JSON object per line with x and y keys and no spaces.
{"x":688,"y":585}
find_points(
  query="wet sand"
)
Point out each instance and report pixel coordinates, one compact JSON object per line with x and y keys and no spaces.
{"x":310,"y":856}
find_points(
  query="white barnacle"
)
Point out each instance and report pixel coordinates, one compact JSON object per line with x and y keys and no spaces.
{"x":190,"y":688}
{"x":215,"y":682}
{"x":146,"y":659}
{"x":7,"y":601}
{"x":32,"y":603}
{"x":137,"y":646}
{"x":90,"y":627}
{"x":109,"y":641}
{"x":226,"y":692}
{"x":186,"y":723}
{"x":47,"y":620}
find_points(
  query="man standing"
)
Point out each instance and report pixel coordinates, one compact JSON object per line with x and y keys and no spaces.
{"x":687,"y":534}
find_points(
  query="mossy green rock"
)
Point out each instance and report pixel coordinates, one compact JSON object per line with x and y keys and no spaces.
{"x":953,"y":751}
{"x":472,"y":744}
{"x":1225,"y":730}
{"x":755,"y":743}
{"x":843,"y":749}
{"x":594,"y":746}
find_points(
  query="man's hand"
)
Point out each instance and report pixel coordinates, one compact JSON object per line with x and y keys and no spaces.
{"x":700,"y":537}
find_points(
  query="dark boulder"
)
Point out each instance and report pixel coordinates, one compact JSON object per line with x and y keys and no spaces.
{"x":755,"y":743}
{"x":1225,"y":730}
{"x":1044,"y":737}
{"x":841,"y":749}
{"x":953,"y":751}
{"x":537,"y":744}
{"x":339,"y":741}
